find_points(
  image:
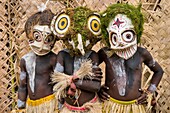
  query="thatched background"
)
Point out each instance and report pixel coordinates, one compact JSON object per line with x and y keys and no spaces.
{"x":13,"y":44}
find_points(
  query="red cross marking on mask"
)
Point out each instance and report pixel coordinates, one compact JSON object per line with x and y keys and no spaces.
{"x":118,"y":22}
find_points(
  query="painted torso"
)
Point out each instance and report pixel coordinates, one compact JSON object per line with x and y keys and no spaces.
{"x":38,"y":69}
{"x":121,"y":73}
{"x":71,"y":65}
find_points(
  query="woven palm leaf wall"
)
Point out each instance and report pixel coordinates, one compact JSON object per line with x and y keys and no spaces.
{"x":13,"y":43}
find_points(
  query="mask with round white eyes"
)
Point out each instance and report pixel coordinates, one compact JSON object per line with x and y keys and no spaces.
{"x":60,"y":24}
{"x":122,"y":36}
{"x":43,"y":40}
{"x":94,"y":24}
{"x":79,"y":28}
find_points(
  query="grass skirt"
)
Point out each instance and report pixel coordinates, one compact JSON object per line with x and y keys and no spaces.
{"x":18,"y":111}
{"x":116,"y":106}
{"x":44,"y":105}
{"x":47,"y":104}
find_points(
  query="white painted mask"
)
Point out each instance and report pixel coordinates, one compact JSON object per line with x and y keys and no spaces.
{"x":122,"y":37}
{"x":43,"y":40}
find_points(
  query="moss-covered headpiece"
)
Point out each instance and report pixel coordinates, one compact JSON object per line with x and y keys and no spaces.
{"x":130,"y":11}
{"x":73,"y":22}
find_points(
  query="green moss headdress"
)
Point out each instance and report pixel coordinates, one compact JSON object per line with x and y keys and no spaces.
{"x":130,"y":11}
{"x":77,"y":20}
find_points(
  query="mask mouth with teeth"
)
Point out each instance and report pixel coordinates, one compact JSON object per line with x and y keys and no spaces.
{"x":122,"y":27}
{"x":39,"y":34}
{"x":79,"y":28}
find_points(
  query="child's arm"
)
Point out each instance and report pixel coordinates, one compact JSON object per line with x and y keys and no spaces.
{"x":92,"y":84}
{"x":155,"y":67}
{"x":22,"y":90}
{"x":157,"y":75}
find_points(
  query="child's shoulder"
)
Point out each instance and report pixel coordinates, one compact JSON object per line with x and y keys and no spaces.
{"x":29,"y":55}
{"x":104,"y":49}
{"x":63,"y":53}
{"x":142,"y":50}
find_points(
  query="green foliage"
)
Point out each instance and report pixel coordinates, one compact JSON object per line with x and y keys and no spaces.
{"x":79,"y":19}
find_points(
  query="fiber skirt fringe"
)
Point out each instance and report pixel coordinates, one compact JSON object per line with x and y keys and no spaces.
{"x":44,"y":105}
{"x":18,"y":111}
{"x":89,"y":107}
{"x":116,"y":106}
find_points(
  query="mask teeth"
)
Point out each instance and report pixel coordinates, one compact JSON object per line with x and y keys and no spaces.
{"x":127,"y":53}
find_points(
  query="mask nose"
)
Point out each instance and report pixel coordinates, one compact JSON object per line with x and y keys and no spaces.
{"x":80,"y":44}
{"x":120,"y":42}
{"x":41,"y":46}
{"x":42,"y":41}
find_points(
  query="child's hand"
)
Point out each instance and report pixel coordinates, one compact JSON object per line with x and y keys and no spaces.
{"x":143,"y":98}
{"x":102,"y":93}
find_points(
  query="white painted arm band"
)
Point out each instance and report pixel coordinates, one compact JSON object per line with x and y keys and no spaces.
{"x":20,"y":103}
{"x":152,"y":63}
{"x":59,"y":68}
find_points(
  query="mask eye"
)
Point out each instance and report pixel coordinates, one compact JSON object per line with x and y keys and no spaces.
{"x":94,"y":24}
{"x":128,"y":36}
{"x":60,"y":24}
{"x":114,"y":39}
{"x":37,"y":36}
{"x":49,"y":39}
